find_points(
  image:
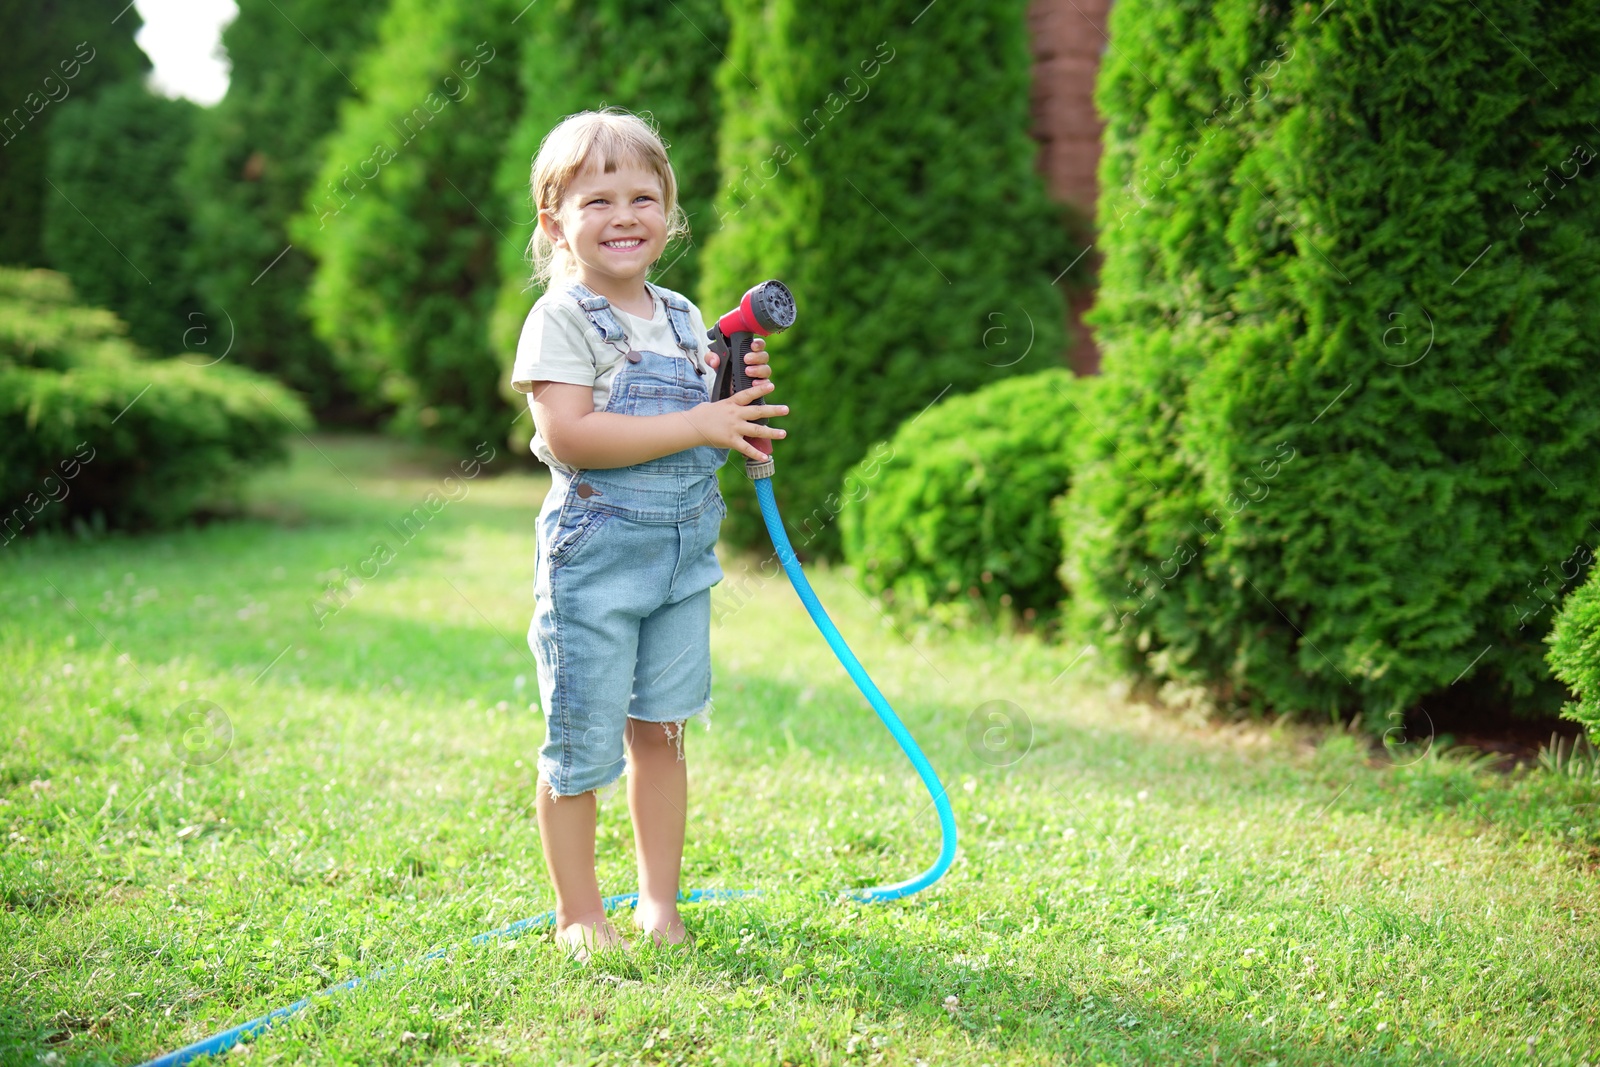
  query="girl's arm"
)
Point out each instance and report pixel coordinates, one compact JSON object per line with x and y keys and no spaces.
{"x":587,"y":439}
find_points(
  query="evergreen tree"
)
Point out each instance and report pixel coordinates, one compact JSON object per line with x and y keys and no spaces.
{"x":254,"y":157}
{"x":1574,"y":654}
{"x":55,"y":51}
{"x":881,"y":166}
{"x":93,"y":433}
{"x":399,"y":217}
{"x":945,"y":518}
{"x":115,"y":221}
{"x":1346,"y":313}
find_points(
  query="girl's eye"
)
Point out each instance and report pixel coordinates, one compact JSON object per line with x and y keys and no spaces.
{"x":596,"y":200}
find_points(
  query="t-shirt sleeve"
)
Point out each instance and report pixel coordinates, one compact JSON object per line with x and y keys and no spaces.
{"x":552,"y":348}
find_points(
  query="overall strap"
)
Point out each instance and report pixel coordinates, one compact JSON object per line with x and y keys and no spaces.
{"x":682,"y":326}
{"x":598,"y":309}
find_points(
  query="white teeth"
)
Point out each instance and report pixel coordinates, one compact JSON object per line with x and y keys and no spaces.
{"x":632,"y":242}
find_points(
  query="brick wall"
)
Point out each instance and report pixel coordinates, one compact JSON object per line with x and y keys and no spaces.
{"x":1068,"y":39}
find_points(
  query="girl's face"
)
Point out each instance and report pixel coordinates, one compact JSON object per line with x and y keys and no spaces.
{"x":614,"y":226}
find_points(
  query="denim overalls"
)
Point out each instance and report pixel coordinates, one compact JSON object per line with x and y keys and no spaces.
{"x":626,"y":561}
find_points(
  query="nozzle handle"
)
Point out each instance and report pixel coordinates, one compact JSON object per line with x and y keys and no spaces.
{"x":738,"y":347}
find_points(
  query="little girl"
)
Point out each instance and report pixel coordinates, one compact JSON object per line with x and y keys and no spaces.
{"x":618,"y":374}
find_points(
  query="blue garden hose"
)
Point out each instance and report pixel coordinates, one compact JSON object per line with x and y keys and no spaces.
{"x":222,"y":1042}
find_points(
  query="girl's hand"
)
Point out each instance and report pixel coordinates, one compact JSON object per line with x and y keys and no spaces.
{"x":727,"y":423}
{"x":755,"y":360}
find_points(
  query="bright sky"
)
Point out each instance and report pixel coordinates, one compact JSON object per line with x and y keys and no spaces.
{"x":183,"y":40}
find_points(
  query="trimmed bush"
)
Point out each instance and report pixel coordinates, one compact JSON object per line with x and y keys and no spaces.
{"x":950,"y":517}
{"x":404,"y":222}
{"x":885,"y":172}
{"x":567,"y":64}
{"x":91,"y":431}
{"x":1347,"y":312}
{"x":251,"y":161}
{"x":1574,"y":654}
{"x":119,"y":226}
{"x":54,"y":52}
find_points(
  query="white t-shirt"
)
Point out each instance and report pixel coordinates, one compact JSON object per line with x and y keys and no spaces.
{"x":558,"y":344}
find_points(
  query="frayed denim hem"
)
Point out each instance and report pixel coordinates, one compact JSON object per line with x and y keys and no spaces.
{"x":602,"y":793}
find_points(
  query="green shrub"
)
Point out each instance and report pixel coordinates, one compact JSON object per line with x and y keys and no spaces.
{"x":251,"y":161}
{"x":90,"y":430}
{"x":885,"y":172}
{"x":403,"y":219}
{"x":1574,"y":654}
{"x":1349,"y":407}
{"x":567,"y":64}
{"x":54,"y":52}
{"x":116,"y":222}
{"x":951,"y":514}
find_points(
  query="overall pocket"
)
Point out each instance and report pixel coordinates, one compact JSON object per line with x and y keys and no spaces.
{"x":651,"y":396}
{"x":570,"y":537}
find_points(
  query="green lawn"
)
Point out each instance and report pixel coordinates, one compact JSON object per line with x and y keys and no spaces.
{"x":1132,"y":888}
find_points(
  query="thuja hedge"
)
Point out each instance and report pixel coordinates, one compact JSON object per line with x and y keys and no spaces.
{"x":1574,"y":653}
{"x":950,"y":516}
{"x":885,"y":172}
{"x":93,"y":432}
{"x":1348,"y":312}
{"x":116,"y":221}
{"x":251,"y":161}
{"x":569,"y":63}
{"x":54,"y":53}
{"x":403,"y":219}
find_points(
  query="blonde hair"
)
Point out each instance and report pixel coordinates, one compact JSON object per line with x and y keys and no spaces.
{"x":610,"y":137}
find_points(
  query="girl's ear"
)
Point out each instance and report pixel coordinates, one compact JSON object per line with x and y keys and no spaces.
{"x":551,"y":227}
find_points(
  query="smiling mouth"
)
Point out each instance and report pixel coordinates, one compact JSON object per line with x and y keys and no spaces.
{"x":626,"y":244}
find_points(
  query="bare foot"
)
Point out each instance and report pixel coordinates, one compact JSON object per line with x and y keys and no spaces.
{"x":582,"y":939}
{"x":662,"y":923}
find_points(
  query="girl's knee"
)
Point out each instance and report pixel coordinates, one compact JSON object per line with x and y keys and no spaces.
{"x":652,"y":734}
{"x":655,"y":736}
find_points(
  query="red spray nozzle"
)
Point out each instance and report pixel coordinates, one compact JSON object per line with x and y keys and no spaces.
{"x":766,"y":309}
